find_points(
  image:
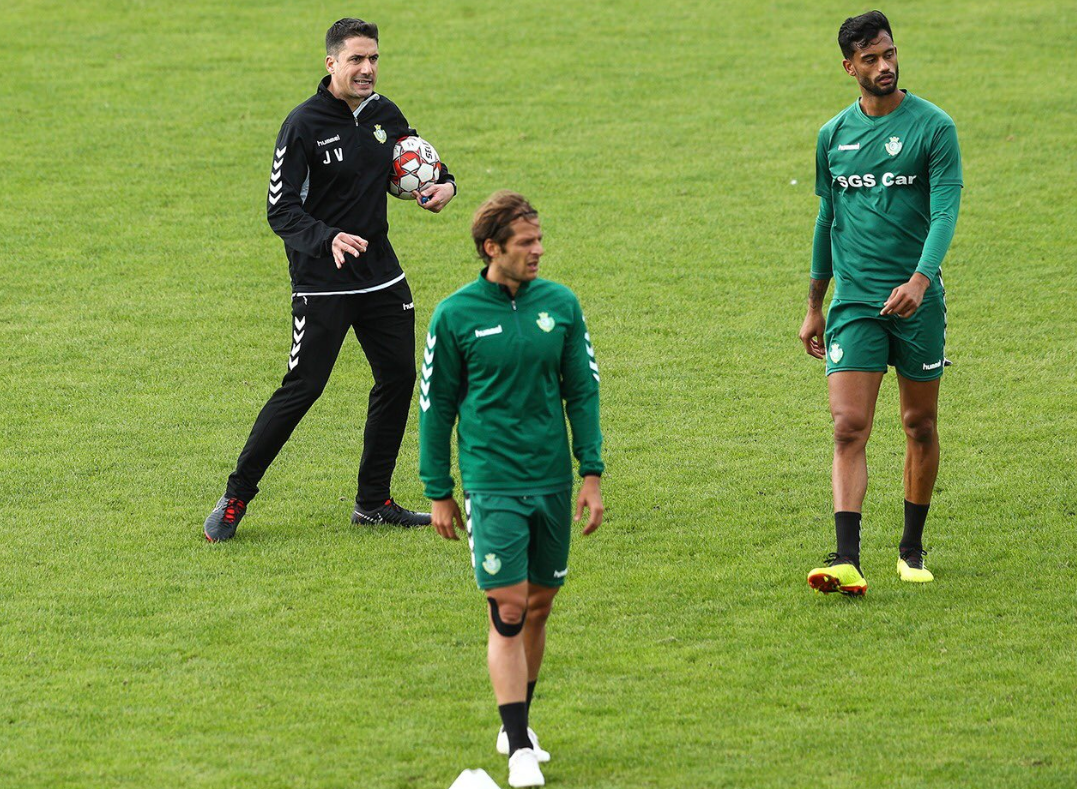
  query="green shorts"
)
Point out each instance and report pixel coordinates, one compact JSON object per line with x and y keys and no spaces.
{"x":859,"y":338}
{"x":519,"y":538}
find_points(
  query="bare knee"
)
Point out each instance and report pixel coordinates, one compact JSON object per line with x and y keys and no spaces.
{"x":851,"y":431}
{"x":538,"y":609}
{"x":507,"y":613}
{"x":920,"y":426}
{"x":511,"y":613}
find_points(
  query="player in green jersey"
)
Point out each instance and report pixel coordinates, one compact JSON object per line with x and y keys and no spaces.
{"x":508,"y":356}
{"x":888,"y":175}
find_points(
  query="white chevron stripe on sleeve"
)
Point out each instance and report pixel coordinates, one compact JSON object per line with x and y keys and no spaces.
{"x":593,"y":366}
{"x":424,"y":403}
{"x":431,"y":341}
{"x":591,"y":351}
{"x":274,"y":200}
{"x":425,"y":386}
{"x":275,"y":188}
{"x":427,"y":372}
{"x":428,"y":356}
{"x":280,"y":152}
{"x":300,"y":323}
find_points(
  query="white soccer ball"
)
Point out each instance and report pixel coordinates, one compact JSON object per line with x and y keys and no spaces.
{"x":415,"y":166}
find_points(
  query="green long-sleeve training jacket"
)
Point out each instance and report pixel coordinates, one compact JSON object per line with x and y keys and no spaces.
{"x":504,"y":366}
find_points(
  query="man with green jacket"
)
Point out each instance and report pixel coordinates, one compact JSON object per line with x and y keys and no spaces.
{"x":509,"y":355}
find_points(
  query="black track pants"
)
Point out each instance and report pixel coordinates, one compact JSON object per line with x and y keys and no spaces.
{"x":384,"y":323}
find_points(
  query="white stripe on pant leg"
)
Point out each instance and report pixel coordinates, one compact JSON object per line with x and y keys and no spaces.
{"x":297,"y":342}
{"x":470,"y":538}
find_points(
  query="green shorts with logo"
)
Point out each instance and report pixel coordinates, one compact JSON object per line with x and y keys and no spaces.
{"x":519,"y":538}
{"x":859,"y":338}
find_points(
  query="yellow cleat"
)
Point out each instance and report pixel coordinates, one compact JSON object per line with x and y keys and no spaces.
{"x":838,"y":575}
{"x":911,"y":567}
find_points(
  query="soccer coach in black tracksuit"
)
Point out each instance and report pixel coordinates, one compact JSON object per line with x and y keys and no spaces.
{"x":327,"y":201}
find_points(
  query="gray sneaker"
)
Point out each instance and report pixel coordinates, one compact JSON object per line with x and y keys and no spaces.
{"x":222,"y":522}
{"x":392,"y":513}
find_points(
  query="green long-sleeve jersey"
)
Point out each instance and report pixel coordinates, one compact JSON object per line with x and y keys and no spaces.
{"x":509,"y":368}
{"x":889,"y":188}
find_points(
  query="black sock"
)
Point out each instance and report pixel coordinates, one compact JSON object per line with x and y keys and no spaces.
{"x":530,"y":694}
{"x":514,"y":719}
{"x":847,"y":526}
{"x":371,"y":504}
{"x":912,"y":539}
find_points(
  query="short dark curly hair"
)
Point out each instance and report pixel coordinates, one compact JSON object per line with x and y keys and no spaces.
{"x":346,"y":28}
{"x":857,"y":32}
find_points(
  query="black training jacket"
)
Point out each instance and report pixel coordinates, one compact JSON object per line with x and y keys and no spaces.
{"x":330,"y":174}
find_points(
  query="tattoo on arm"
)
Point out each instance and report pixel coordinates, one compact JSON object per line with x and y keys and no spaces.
{"x":816,"y":292}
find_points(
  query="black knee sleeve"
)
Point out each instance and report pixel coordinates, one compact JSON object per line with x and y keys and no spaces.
{"x":504,"y":628}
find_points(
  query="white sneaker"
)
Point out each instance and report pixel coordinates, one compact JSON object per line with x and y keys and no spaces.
{"x":503,"y":744}
{"x":524,"y":769}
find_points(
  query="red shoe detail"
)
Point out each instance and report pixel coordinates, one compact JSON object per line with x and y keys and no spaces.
{"x":822,"y":582}
{"x":827,"y":584}
{"x":230,"y":510}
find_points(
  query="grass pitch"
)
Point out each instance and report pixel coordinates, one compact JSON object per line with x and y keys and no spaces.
{"x":145,"y":320}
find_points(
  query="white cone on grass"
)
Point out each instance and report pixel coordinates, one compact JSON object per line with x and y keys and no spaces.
{"x":474,"y":779}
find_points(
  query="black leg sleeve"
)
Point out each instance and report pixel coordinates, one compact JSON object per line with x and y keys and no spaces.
{"x":319,"y":325}
{"x":385,"y":327}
